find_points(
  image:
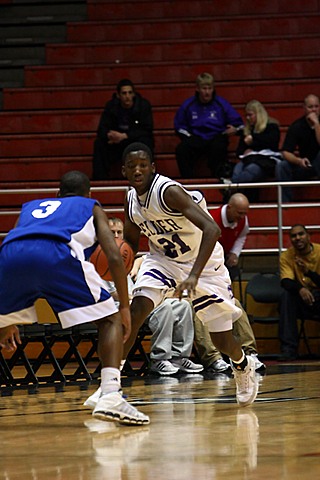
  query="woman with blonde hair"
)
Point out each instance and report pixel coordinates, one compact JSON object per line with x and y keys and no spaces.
{"x":258,"y":149}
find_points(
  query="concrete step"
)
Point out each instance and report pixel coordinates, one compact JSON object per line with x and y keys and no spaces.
{"x":22,"y":54}
{"x":18,"y":34}
{"x":11,"y":76}
{"x":28,"y":12}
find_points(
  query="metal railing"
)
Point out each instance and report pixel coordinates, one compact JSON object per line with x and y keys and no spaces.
{"x":279,"y":228}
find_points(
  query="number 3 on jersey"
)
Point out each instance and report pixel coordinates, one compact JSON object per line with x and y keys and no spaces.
{"x":50,"y":207}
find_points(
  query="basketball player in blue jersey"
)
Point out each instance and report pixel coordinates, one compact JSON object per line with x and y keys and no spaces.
{"x":185,"y":257}
{"x":46,"y":256}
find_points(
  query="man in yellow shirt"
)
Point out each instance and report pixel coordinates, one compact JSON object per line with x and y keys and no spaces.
{"x":300,"y":279}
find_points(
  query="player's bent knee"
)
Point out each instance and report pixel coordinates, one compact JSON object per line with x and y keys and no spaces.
{"x":106,"y":322}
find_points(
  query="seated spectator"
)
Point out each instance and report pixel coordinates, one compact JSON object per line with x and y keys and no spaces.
{"x":204,"y":123}
{"x":234,"y":225}
{"x":116,"y":227}
{"x":127,"y":118}
{"x":301,"y":148}
{"x":258,"y":148}
{"x":300,"y":279}
{"x":171,"y":324}
{"x":210,"y":356}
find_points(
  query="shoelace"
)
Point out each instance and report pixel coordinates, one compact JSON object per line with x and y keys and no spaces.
{"x":243,"y":377}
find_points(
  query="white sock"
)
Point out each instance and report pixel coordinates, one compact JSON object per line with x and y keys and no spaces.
{"x":110,"y":380}
{"x":122,"y":365}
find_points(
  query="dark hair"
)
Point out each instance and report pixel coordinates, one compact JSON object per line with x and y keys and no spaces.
{"x":74,"y":183}
{"x":124,"y":83}
{"x":298,"y":225}
{"x":136,"y":147}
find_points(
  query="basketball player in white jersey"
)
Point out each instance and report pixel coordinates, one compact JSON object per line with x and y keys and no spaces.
{"x":185,"y":257}
{"x":47,"y":256}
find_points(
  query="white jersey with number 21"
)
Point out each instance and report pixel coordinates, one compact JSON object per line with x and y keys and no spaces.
{"x":169,"y":232}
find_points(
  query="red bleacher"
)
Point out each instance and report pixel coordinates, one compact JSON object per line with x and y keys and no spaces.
{"x":263,"y":50}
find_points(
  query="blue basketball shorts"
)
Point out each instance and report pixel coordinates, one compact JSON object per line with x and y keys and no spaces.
{"x":44,"y":268}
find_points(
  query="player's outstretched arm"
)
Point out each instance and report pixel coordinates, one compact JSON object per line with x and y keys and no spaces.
{"x":9,"y":337}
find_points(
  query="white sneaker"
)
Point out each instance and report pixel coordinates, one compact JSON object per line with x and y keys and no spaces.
{"x":163,"y":367}
{"x":112,"y":407}
{"x":247,"y":383}
{"x":185,"y":365}
{"x":92,"y":401}
{"x":259,"y":366}
{"x":219,"y":366}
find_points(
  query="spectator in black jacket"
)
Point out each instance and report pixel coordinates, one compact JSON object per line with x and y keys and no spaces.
{"x":126,"y":118}
{"x":301,"y":148}
{"x":258,"y":149}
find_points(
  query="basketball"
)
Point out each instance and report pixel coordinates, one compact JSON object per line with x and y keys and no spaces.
{"x":100,"y":261}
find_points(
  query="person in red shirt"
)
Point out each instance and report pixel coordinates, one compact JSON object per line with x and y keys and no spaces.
{"x":233,"y":221}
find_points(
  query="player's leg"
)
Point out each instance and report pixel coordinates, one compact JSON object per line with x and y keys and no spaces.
{"x":215,"y":306}
{"x":77,"y":294}
{"x":136,"y":321}
{"x":140,"y":309}
{"x":19,"y":289}
{"x":154,"y":281}
{"x":111,"y":406}
{"x":243,"y":332}
{"x":243,"y":366}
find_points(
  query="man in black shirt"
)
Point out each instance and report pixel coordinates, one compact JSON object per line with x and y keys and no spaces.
{"x":301,"y":148}
{"x":127,"y":118}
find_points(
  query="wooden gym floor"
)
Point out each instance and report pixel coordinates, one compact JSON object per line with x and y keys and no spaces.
{"x":196,"y":430}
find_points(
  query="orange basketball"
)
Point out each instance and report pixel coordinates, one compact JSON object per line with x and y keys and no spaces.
{"x":100,"y":261}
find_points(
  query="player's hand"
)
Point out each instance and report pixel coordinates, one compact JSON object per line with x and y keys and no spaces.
{"x":188,"y":286}
{"x":9,"y":337}
{"x":126,"y":322}
{"x":306,"y":296}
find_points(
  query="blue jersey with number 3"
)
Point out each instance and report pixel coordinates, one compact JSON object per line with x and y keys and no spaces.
{"x":68,"y":220}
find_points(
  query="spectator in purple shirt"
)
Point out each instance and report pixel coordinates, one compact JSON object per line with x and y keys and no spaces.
{"x":204,"y":123}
